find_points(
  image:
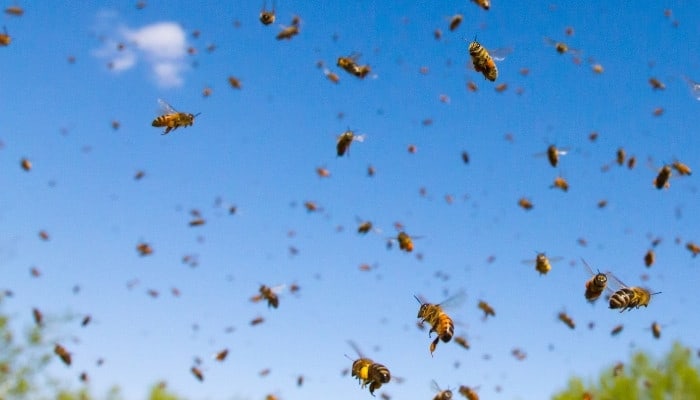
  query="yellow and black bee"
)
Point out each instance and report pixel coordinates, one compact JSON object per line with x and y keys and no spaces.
{"x":681,"y":168}
{"x":543,"y":264}
{"x":267,"y":17}
{"x":440,"y":322}
{"x":487,"y":309}
{"x":566,"y":319}
{"x":441,"y":394}
{"x":455,"y":21}
{"x":5,"y":38}
{"x":345,"y":139}
{"x":662,"y":179}
{"x":172,"y":119}
{"x":368,"y":372}
{"x":63,"y":354}
{"x":596,"y":285}
{"x":349,"y":64}
{"x":482,"y":60}
{"x":485,"y":4}
{"x":629,"y":297}
{"x":268,"y":294}
{"x":469,"y":393}
{"x":553,"y":154}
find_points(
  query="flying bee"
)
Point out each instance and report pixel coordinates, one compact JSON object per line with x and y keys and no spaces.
{"x":38,"y":317}
{"x":693,"y":248}
{"x":629,"y":297}
{"x":440,"y":322}
{"x":656,"y":330}
{"x":349,"y":64}
{"x":345,"y":139}
{"x":616,"y":330}
{"x":487,"y":309}
{"x":234,"y":82}
{"x":662,"y":179}
{"x":288,"y":32}
{"x":485,"y":4}
{"x":560,"y":183}
{"x":5,"y":38}
{"x":553,"y":154}
{"x":656,"y":84}
{"x":543,"y":264}
{"x":368,"y":372}
{"x":469,"y":393}
{"x":26,"y":164}
{"x":441,"y":394}
{"x":620,"y":156}
{"x":405,"y":242}
{"x":172,"y":119}
{"x":63,"y":354}
{"x":455,"y":21}
{"x":525,"y":203}
{"x":462,"y":341}
{"x":561,"y":47}
{"x":269,"y":294}
{"x":482,"y":61}
{"x":566,"y":319}
{"x":257,"y":321}
{"x":197,"y":373}
{"x":649,"y":258}
{"x":519,"y":354}
{"x":596,"y":285}
{"x":144,"y":249}
{"x":681,"y":168}
{"x":267,"y":17}
{"x":17,"y":11}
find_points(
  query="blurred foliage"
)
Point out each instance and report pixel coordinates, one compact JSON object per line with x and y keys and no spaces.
{"x":23,"y":372}
{"x":675,"y":377}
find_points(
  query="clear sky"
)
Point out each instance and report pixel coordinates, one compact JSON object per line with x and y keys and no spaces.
{"x":258,"y":148}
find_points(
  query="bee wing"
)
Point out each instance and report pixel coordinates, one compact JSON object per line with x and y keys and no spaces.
{"x":501,"y":53}
{"x":612,"y":278}
{"x":356,"y":348}
{"x":165,"y":107}
{"x":454,"y":301}
{"x":359,"y":138}
{"x":434,"y":386}
{"x":279,"y":288}
{"x":588,"y":267}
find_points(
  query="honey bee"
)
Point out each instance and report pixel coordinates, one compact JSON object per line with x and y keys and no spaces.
{"x":656,"y":84}
{"x":197,"y":373}
{"x":485,"y":4}
{"x":234,"y":82}
{"x":616,"y":330}
{"x":405,"y":241}
{"x":349,"y":64}
{"x":462,"y":341}
{"x":618,"y":369}
{"x":681,"y":168}
{"x":543,"y":264}
{"x":482,"y":60}
{"x":525,"y":203}
{"x":662,"y":179}
{"x":620,"y":156}
{"x":144,"y":249}
{"x":257,"y":321}
{"x":596,"y":285}
{"x":288,"y":32}
{"x":553,"y":154}
{"x":440,"y":322}
{"x":693,"y":248}
{"x":17,"y":11}
{"x":561,"y":47}
{"x":267,"y":16}
{"x":560,"y":183}
{"x":658,"y":111}
{"x":656,"y":330}
{"x":345,"y":139}
{"x":566,"y":319}
{"x":323,"y":172}
{"x":43,"y":235}
{"x":63,"y":354}
{"x":441,"y":394}
{"x":487,"y":309}
{"x":172,"y":119}
{"x":649,"y":258}
{"x":38,"y":317}
{"x":455,"y":21}
{"x":86,"y":320}
{"x":629,"y":297}
{"x":268,"y":294}
{"x":311,"y":206}
{"x":26,"y":164}
{"x":5,"y":38}
{"x":332,"y":76}
{"x":519,"y":354}
{"x":368,"y":372}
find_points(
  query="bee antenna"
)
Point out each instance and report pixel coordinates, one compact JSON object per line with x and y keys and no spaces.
{"x":656,"y":293}
{"x":197,"y":114}
{"x":348,"y":357}
{"x":416,"y":297}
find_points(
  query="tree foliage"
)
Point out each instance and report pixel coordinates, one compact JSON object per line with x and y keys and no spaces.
{"x":674,"y":377}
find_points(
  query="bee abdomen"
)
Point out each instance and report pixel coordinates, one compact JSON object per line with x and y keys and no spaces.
{"x":621,"y":298}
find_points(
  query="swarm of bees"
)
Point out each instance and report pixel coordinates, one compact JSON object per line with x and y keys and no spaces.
{"x":172,"y":119}
{"x":368,"y":372}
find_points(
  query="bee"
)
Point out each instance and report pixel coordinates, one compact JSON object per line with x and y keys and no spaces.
{"x":468,"y":392}
{"x":693,"y":248}
{"x":43,"y":235}
{"x":629,"y":297}
{"x":26,"y":164}
{"x":525,"y":203}
{"x":658,"y":111}
{"x":17,"y":11}
{"x":618,"y":369}
{"x":5,"y":38}
{"x":441,"y":394}
{"x":234,"y":82}
{"x":543,"y":264}
{"x":485,"y":4}
{"x":197,"y":373}
{"x":323,"y":172}
{"x":172,"y":119}
{"x":267,"y":16}
{"x":455,"y":21}
{"x":616,"y":330}
{"x":38,"y":317}
{"x":631,"y":162}
{"x":553,"y":154}
{"x":482,"y":60}
{"x":465,"y":157}
{"x":519,"y":354}
{"x":662,"y":179}
{"x":681,"y":168}
{"x":462,"y":341}
{"x":405,"y":241}
{"x":197,"y":219}
{"x":560,"y":183}
{"x":349,"y":64}
{"x":620,"y":156}
{"x":268,"y":294}
{"x":440,"y":322}
{"x":86,"y":320}
{"x":656,"y":330}
{"x":288,"y":32}
{"x":656,"y":84}
{"x":257,"y":321}
{"x":368,"y":372}
{"x":561,"y":47}
{"x":332,"y":76}
{"x":144,"y":249}
{"x":487,"y":309}
{"x":596,"y":285}
{"x":311,"y":206}
{"x":649,"y":258}
{"x":63,"y":354}
{"x":566,"y":319}
{"x":345,"y":139}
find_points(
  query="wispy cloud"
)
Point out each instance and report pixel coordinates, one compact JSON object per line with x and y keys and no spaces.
{"x":162,"y":46}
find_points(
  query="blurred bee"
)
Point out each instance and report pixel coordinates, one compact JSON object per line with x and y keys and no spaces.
{"x":38,"y":317}
{"x":405,"y":242}
{"x":350,"y":65}
{"x":288,"y":32}
{"x":631,"y":162}
{"x":43,"y":235}
{"x":656,"y":330}
{"x":662,"y":179}
{"x":455,"y":21}
{"x":441,"y":394}
{"x":323,"y":172}
{"x":618,"y":369}
{"x":485,"y":4}
{"x":693,"y":248}
{"x":649,"y":258}
{"x":234,"y":82}
{"x":620,"y":156}
{"x":468,"y":392}
{"x":519,"y":354}
{"x":602,"y":203}
{"x":5,"y":38}
{"x":561,"y":47}
{"x":172,"y":119}
{"x":656,"y":84}
{"x":440,"y":322}
{"x":482,"y":60}
{"x":658,"y":111}
{"x":197,"y":373}
{"x":197,"y":219}
{"x":553,"y":154}
{"x":371,"y":171}
{"x":465,"y":157}
{"x":86,"y":320}
{"x":257,"y":321}
{"x":596,"y":285}
{"x":560,"y":183}
{"x":332,"y":76}
{"x":543,"y":264}
{"x":566,"y":319}
{"x":268,"y":294}
{"x":616,"y":330}
{"x":311,"y":206}
{"x":462,"y":341}
{"x":345,"y":139}
{"x":221,"y":355}
{"x":300,"y":380}
{"x":144,"y":249}
{"x":681,"y":168}
{"x":63,"y":354}
{"x":26,"y":164}
{"x":368,"y":372}
{"x":267,"y":16}
{"x":17,"y":11}
{"x":487,"y":309}
{"x":629,"y":297}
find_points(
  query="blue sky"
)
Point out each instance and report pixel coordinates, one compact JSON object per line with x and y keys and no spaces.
{"x":257,"y":148}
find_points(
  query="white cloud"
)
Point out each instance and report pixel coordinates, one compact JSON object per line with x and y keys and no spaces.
{"x":161,"y":45}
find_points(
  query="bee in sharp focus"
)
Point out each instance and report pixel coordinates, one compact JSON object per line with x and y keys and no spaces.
{"x":485,"y":4}
{"x":469,"y":393}
{"x":596,"y":285}
{"x":5,"y":38}
{"x":440,"y":322}
{"x":269,"y":294}
{"x":349,"y":64}
{"x":345,"y":139}
{"x":629,"y":297}
{"x":172,"y":119}
{"x":267,"y":17}
{"x":63,"y":354}
{"x":662,"y":179}
{"x":482,"y":60}
{"x":566,"y":319}
{"x":487,"y":309}
{"x":368,"y":372}
{"x":441,"y":394}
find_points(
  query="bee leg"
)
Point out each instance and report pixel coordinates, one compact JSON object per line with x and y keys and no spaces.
{"x":373,"y":386}
{"x":433,"y":345}
{"x":167,"y":130}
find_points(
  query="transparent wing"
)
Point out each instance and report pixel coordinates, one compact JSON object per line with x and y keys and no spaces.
{"x":165,"y":107}
{"x":501,"y":53}
{"x":588,"y":267}
{"x":615,"y":281}
{"x":454,"y":300}
{"x":434,"y":386}
{"x":356,"y":348}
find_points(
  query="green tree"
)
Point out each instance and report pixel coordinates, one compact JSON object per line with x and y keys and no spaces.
{"x":674,"y":377}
